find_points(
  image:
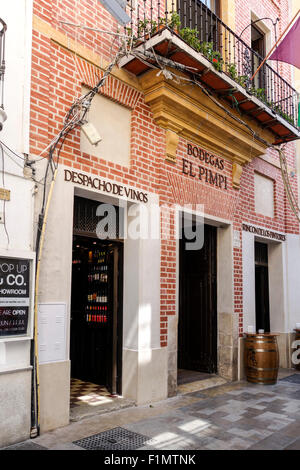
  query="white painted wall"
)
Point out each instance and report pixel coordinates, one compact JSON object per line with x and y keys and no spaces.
{"x":248,"y":280}
{"x":283,"y":260}
{"x":141,"y":302}
{"x":144,"y":362}
{"x":17,"y":14}
{"x":15,"y":370}
{"x":18,"y":214}
{"x":264,"y":195}
{"x":113,"y":123}
{"x":277,"y":287}
{"x":225,"y":269}
{"x":292,"y":277}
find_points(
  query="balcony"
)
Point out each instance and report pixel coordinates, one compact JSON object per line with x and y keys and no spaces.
{"x":2,"y":70}
{"x":208,"y":51}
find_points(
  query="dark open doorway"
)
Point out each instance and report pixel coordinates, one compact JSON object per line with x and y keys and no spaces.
{"x":258,"y":40}
{"x":202,"y":15}
{"x":262,"y":305}
{"x":197,"y":326}
{"x":95,"y":324}
{"x":258,"y":45}
{"x":96,"y":302}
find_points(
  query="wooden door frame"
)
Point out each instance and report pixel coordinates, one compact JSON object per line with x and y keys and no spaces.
{"x":117,"y":327}
{"x":214,"y":308}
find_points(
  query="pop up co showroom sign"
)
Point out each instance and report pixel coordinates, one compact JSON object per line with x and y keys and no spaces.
{"x":14,"y":296}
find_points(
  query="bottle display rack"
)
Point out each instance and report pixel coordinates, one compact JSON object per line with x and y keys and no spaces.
{"x":97,"y":296}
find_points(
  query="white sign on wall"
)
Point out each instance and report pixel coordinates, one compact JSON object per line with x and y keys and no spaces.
{"x":52,"y":332}
{"x":236,"y":239}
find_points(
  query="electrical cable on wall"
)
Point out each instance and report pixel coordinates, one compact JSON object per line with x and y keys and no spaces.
{"x":163,"y":62}
{"x":75,"y":117}
{"x":287,"y":185}
{"x":4,"y":202}
{"x":11,"y":157}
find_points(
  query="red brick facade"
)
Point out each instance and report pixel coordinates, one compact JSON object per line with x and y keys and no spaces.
{"x":57,"y":78}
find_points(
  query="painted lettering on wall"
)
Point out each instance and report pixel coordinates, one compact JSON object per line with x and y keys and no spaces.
{"x":105,"y":186}
{"x":201,"y":172}
{"x":263,"y":232}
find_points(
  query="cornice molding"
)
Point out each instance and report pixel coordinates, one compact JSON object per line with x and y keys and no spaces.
{"x":187,"y":111}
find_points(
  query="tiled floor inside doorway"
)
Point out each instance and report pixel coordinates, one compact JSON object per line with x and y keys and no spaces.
{"x":87,"y":399}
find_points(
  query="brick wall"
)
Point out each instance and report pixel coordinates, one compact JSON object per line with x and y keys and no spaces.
{"x":57,"y":78}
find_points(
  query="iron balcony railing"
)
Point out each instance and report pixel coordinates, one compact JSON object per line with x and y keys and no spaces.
{"x":2,"y":61}
{"x":203,"y":30}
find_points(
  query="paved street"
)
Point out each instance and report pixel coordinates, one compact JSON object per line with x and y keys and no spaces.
{"x":232,"y":416}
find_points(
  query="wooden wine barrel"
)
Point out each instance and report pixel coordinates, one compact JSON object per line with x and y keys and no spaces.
{"x":297,"y":337}
{"x":261,"y":358}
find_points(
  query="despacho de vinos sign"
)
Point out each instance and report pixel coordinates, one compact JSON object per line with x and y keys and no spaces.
{"x":211,"y":175}
{"x":105,"y":186}
{"x":14,"y":296}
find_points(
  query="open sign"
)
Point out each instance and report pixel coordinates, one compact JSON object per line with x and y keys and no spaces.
{"x":14,"y":296}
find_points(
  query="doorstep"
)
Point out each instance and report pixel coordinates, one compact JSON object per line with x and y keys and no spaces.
{"x":283,"y":373}
{"x":109,"y":405}
{"x":199,"y":385}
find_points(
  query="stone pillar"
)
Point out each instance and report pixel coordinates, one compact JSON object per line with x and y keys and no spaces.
{"x":144,"y":377}
{"x":228,"y":345}
{"x":228,"y":332}
{"x":172,"y":354}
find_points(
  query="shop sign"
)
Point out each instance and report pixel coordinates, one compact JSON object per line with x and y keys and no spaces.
{"x":213,"y":175}
{"x":263,"y":232}
{"x":14,"y":296}
{"x":105,"y":186}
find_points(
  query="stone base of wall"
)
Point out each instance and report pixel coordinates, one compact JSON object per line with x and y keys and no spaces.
{"x":228,"y":346}
{"x":172,"y":355}
{"x":144,"y":377}
{"x":285,"y":341}
{"x":54,"y":395}
{"x":228,"y":338}
{"x":15,"y":399}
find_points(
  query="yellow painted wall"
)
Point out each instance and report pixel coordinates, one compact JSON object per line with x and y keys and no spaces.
{"x":227,"y":13}
{"x":296,"y":84}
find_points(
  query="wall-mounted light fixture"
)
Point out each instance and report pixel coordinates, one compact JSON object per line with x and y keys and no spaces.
{"x":91,"y":133}
{"x":260,"y":19}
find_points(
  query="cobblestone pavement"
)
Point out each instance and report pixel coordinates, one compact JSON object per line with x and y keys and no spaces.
{"x":232,"y":416}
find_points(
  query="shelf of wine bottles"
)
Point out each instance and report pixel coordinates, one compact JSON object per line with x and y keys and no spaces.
{"x":96,"y":314}
{"x":97,"y":297}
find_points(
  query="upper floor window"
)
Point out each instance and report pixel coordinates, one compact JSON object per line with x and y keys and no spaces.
{"x":213,"y":5}
{"x":200,"y":14}
{"x":264,"y":195}
{"x":258,"y":41}
{"x":258,"y":45}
